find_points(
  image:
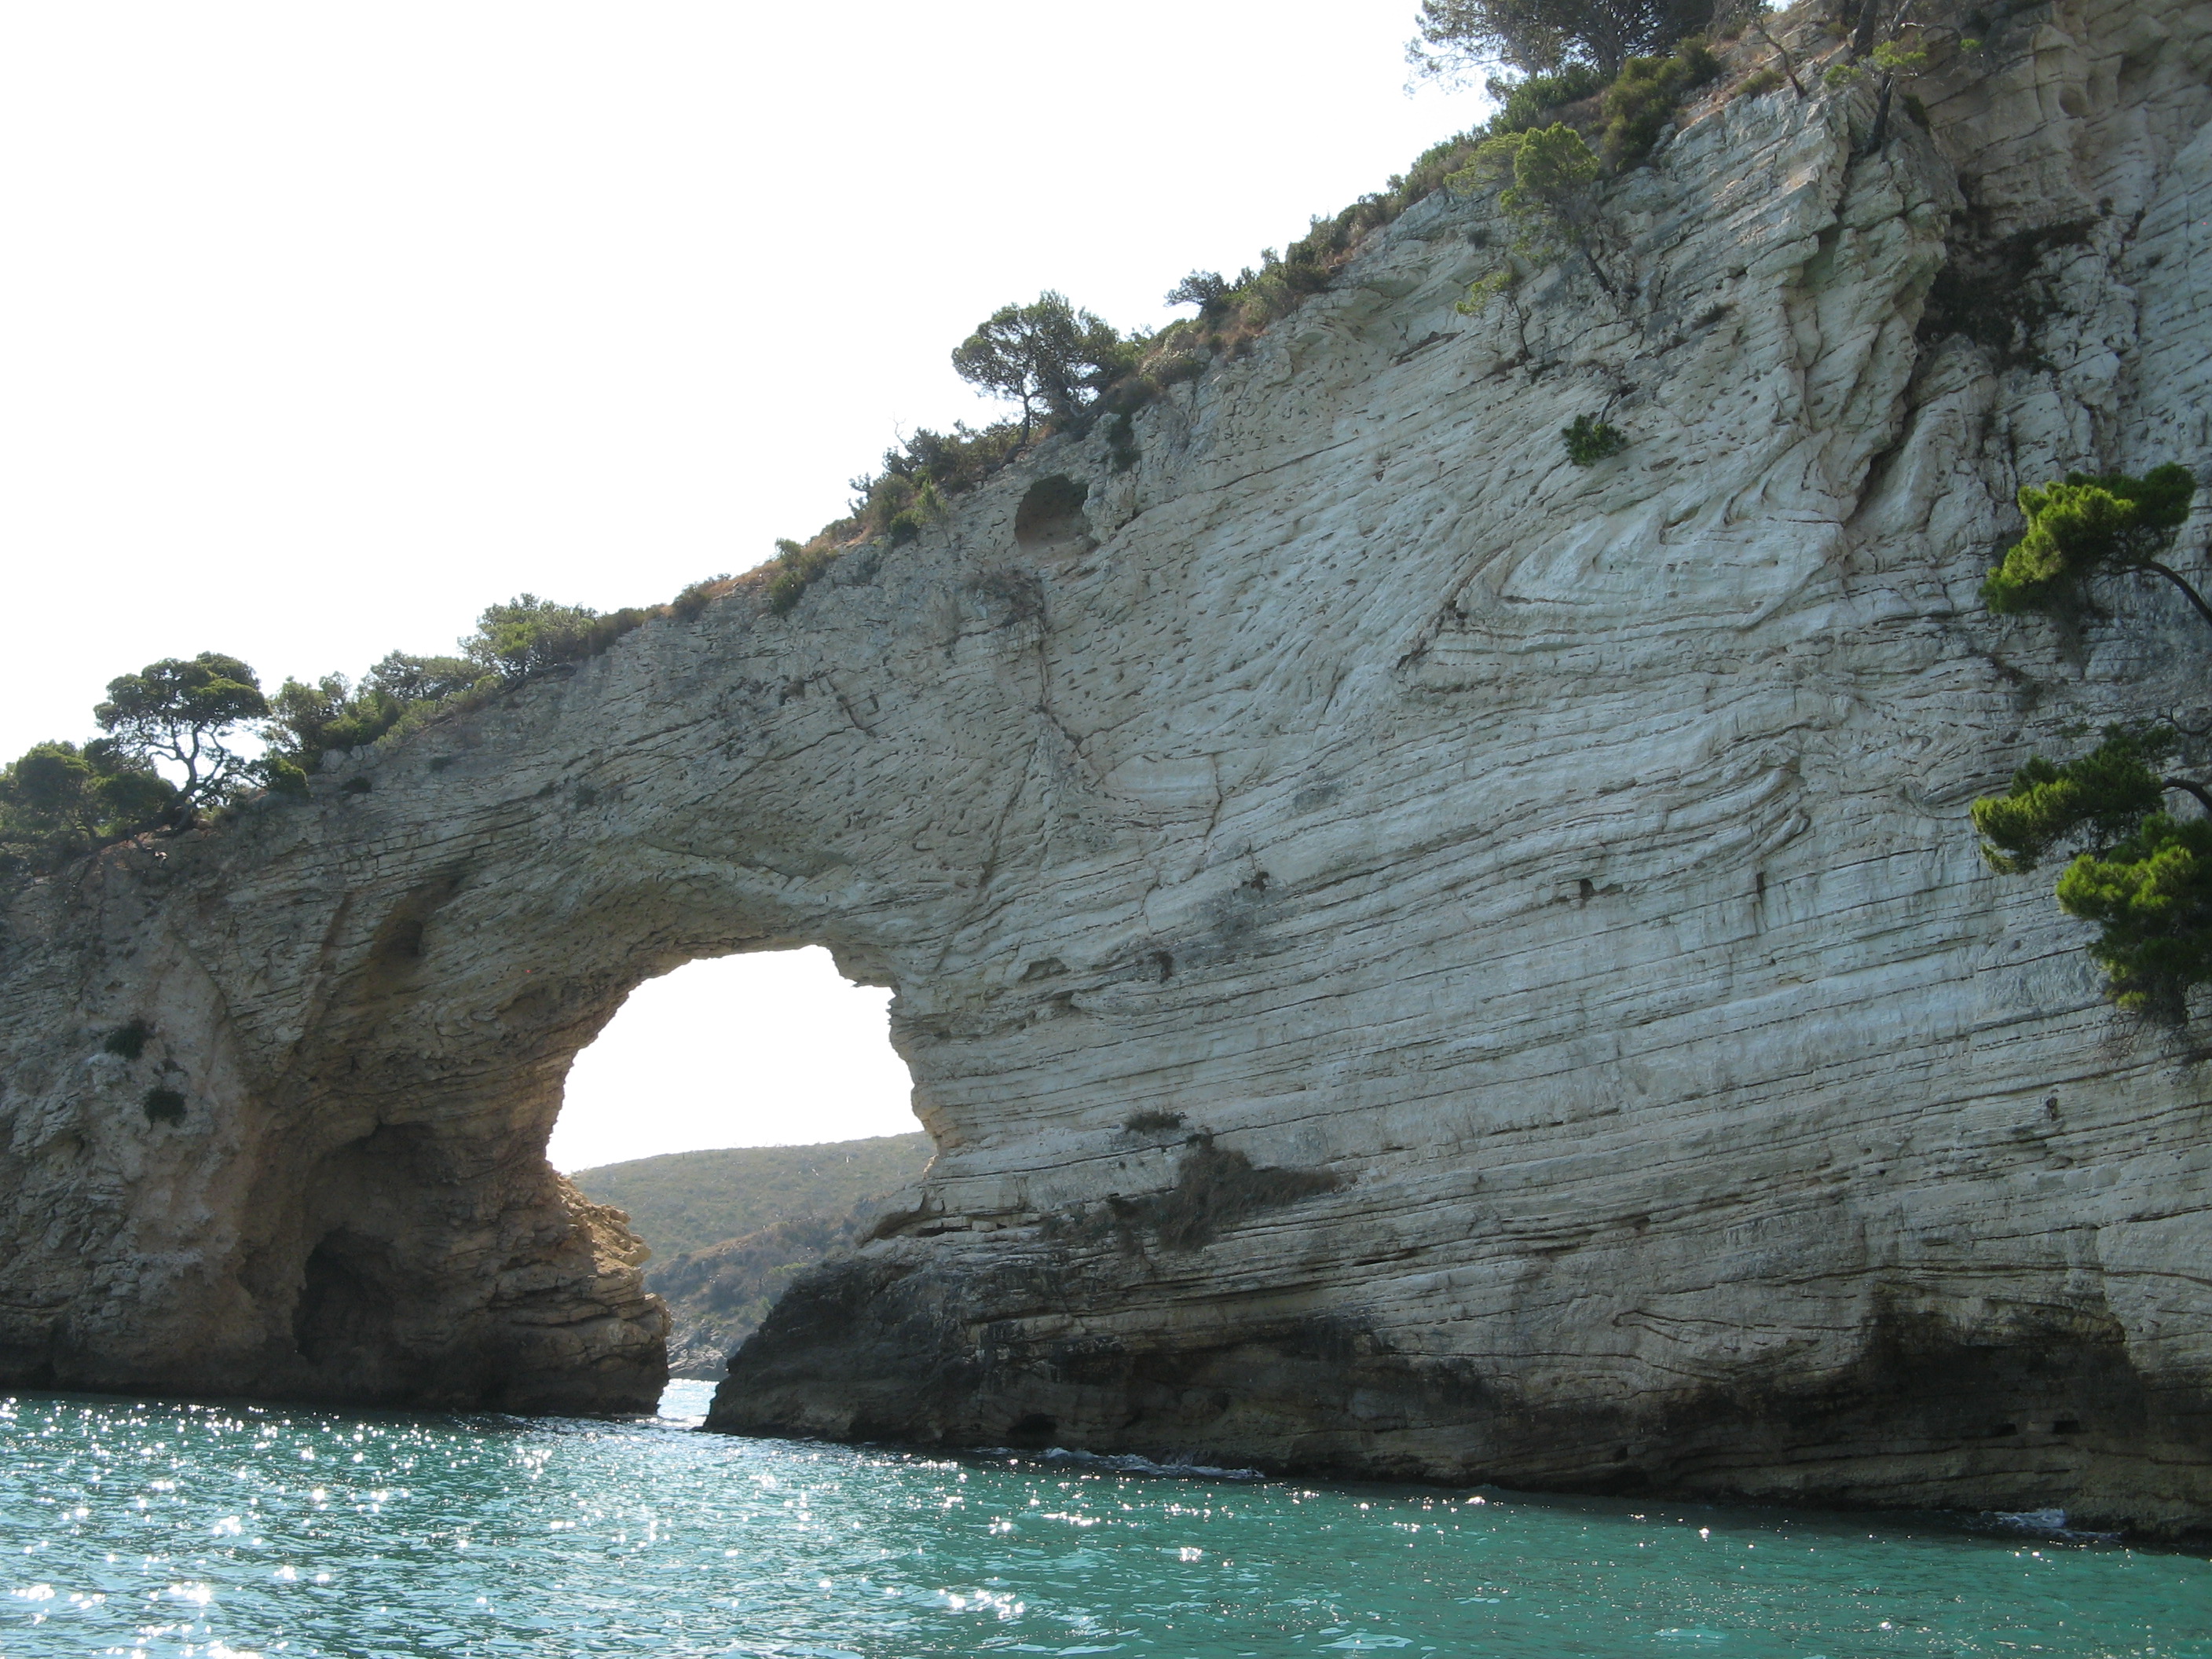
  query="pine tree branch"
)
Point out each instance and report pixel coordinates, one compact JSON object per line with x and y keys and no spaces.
{"x":2181,"y":582}
{"x":2203,"y":795}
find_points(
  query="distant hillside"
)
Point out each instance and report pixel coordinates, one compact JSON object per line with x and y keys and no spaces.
{"x":718,"y":1297}
{"x":688,"y":1201}
{"x":730,"y":1229}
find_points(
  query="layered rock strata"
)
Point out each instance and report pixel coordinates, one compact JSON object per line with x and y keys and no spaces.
{"x":1420,"y":959}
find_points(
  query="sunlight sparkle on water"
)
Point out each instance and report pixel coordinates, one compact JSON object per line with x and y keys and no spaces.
{"x":176,"y":1531}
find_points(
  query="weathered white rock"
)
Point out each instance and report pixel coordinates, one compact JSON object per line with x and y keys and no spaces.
{"x":1528,"y":912}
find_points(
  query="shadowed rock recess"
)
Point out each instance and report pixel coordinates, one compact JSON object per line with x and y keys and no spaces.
{"x":1420,"y":960}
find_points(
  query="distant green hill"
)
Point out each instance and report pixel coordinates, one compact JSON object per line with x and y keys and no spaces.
{"x":729,"y":1229}
{"x":686,"y":1201}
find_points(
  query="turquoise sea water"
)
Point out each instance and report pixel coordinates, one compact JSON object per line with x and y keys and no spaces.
{"x":162,"y":1529}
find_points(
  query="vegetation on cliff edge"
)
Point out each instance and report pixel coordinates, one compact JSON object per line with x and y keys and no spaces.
{"x":59,"y":800}
{"x":1565,"y":71}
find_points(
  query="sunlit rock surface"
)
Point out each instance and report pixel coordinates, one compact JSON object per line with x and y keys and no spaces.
{"x":1421,"y":960}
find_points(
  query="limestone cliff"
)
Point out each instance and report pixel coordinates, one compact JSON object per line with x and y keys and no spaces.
{"x":1419,"y":959}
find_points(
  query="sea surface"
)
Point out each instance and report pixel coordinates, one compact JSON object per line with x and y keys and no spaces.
{"x":164,"y":1529}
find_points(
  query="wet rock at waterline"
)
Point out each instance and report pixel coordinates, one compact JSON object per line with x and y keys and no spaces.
{"x":1419,"y":959}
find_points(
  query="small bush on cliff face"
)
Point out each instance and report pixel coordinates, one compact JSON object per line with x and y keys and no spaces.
{"x":1543,"y":178}
{"x":691,"y":603}
{"x":1588,"y":441}
{"x":128,"y":1040}
{"x":163,"y":1106}
{"x":1121,"y":440}
{"x":1550,"y":169}
{"x":799,"y":566}
{"x":1152,"y":1121}
{"x":1641,"y":102}
{"x":1547,"y":175}
{"x":1895,"y":58}
{"x":2144,"y":876}
{"x":307,"y":721}
{"x":2151,"y":896}
{"x":946,"y":462}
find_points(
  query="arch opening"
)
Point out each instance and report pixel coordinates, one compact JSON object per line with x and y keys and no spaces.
{"x":749,"y":1116}
{"x":763,"y":1049}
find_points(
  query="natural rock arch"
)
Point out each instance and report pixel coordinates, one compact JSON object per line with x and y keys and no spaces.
{"x":1420,"y":959}
{"x":368,"y":1002}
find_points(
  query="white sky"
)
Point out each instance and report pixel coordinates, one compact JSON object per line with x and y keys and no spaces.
{"x":323,"y":326}
{"x":808,"y":1060}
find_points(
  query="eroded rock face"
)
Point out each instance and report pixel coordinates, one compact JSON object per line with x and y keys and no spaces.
{"x":1419,"y":959}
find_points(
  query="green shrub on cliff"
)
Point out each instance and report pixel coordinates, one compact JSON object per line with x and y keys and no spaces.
{"x":798,"y":566}
{"x":1544,"y":178}
{"x":2151,"y":897}
{"x":128,"y":1041}
{"x":1529,"y":101}
{"x":528,"y":635}
{"x":1588,"y":442}
{"x":512,"y":643}
{"x":411,"y":678}
{"x":306,"y":721}
{"x":1642,"y":99}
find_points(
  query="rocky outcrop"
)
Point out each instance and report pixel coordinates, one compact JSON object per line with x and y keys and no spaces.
{"x":1419,"y":959}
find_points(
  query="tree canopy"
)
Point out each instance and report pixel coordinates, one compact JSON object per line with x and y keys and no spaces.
{"x":58,"y":802}
{"x":2086,"y":526}
{"x":1542,"y":37}
{"x":183,"y":711}
{"x":2094,"y":800}
{"x":2151,"y":896}
{"x":1047,"y":356}
{"x":1209,"y":290}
